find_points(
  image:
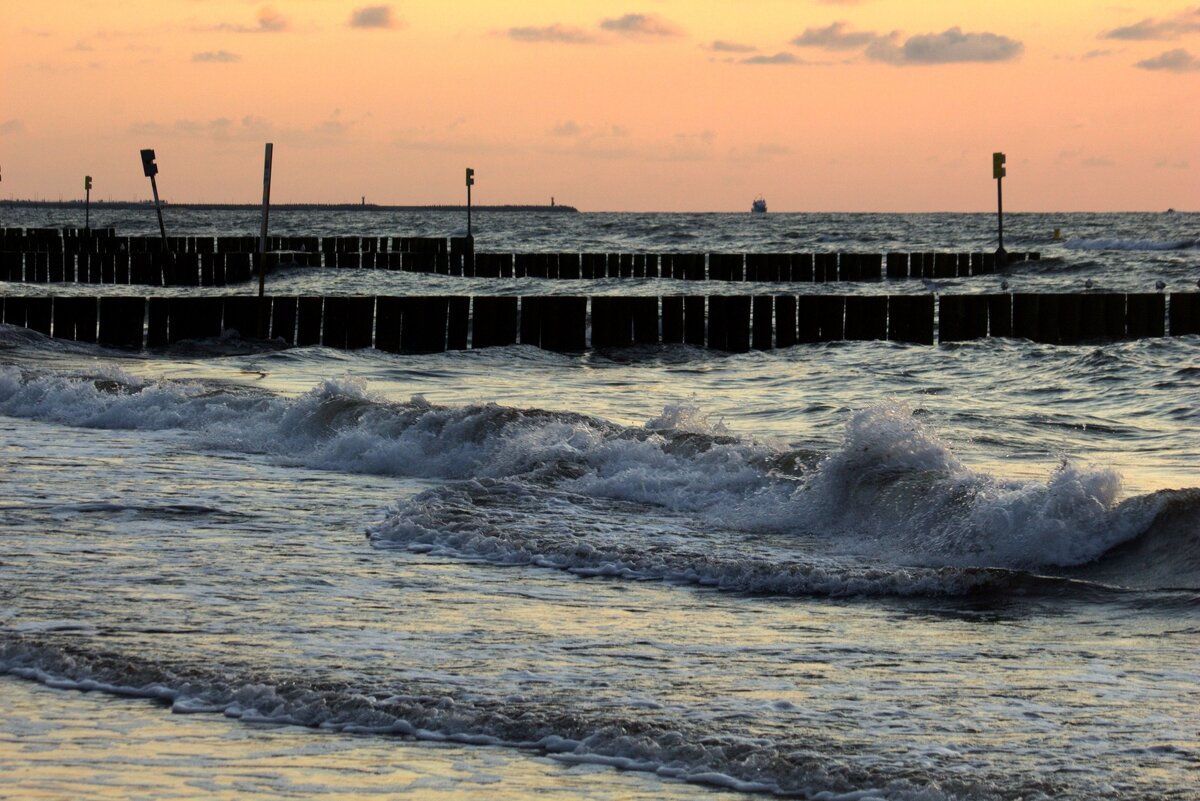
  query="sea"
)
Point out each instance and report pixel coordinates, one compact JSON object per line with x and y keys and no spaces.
{"x":849,"y":570}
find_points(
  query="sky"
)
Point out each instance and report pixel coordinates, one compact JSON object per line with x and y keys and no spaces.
{"x":639,"y":105}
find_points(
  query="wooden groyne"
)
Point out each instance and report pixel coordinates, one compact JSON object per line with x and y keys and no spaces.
{"x":99,"y":256}
{"x":736,"y":323}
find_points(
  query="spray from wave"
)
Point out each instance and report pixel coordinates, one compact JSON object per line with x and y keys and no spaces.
{"x":891,"y":493}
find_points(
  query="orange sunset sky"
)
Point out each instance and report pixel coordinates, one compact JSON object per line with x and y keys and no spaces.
{"x":820,"y":105}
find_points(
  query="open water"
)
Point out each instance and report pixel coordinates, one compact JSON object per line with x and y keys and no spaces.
{"x":839,"y":571}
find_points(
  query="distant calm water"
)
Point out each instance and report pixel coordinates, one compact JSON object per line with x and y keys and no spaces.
{"x":852,"y":570}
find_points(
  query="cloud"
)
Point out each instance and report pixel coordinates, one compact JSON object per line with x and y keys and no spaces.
{"x":722,"y":46}
{"x":777,"y":58}
{"x":641,"y":25}
{"x":216,"y":57}
{"x":1178,"y":60}
{"x":588,"y":133}
{"x":373,"y":18}
{"x":247,"y":129}
{"x":1098,"y":161}
{"x":1170,"y":164}
{"x":555,"y":33}
{"x":269,"y":21}
{"x":948,"y":47}
{"x":1183,"y":23}
{"x":1097,"y":53}
{"x":835,"y":37}
{"x":13,"y":126}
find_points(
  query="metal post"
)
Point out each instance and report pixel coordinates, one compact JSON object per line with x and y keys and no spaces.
{"x":1001,"y":254}
{"x":150,"y":169}
{"x":998,"y":172}
{"x":470,"y":183}
{"x":162,"y":229}
{"x":87,"y":203}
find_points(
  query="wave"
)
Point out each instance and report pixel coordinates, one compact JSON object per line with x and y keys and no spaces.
{"x":1132,"y":244}
{"x":646,"y":738}
{"x":581,"y":493}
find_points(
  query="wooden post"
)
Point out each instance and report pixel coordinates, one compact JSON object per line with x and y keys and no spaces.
{"x":266,"y":213}
{"x":262,"y":241}
{"x":87,"y":203}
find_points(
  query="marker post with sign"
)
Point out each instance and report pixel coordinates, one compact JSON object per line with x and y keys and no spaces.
{"x":87,"y":203}
{"x":998,"y":172}
{"x":151,"y":169}
{"x":470,"y":183}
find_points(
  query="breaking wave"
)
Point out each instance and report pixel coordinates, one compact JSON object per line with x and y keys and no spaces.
{"x":891,"y":510}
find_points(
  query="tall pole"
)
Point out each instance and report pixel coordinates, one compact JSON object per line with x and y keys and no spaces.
{"x":262,"y":242}
{"x":87,"y":203}
{"x":470,"y":183}
{"x":998,"y":172}
{"x":266,"y":213}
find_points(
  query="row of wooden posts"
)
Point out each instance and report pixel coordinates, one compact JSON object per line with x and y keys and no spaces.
{"x":231,"y":267}
{"x":737,"y":323}
{"x":52,"y":240}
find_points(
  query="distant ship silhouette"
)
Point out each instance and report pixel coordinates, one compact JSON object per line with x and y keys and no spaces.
{"x":759,"y":206}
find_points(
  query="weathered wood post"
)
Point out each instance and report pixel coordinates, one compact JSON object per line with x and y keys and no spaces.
{"x":262,"y":240}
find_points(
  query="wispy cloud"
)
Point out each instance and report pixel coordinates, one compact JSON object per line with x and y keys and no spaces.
{"x":246,"y":129}
{"x":1171,"y":164}
{"x":1177,"y":60}
{"x":775,"y":58}
{"x":373,"y":18}
{"x":723,"y":46}
{"x":1183,"y":23}
{"x":641,"y":25}
{"x":216,"y":57}
{"x":835,"y":37}
{"x":269,"y":21}
{"x":568,"y":128}
{"x":13,"y":126}
{"x":555,"y":33}
{"x":951,"y":46}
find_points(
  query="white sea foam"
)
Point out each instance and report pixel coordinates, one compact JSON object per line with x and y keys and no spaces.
{"x":892,"y":489}
{"x":900,"y":489}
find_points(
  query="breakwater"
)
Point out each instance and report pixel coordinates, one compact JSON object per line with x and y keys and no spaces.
{"x":738,"y":323}
{"x":99,"y":256}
